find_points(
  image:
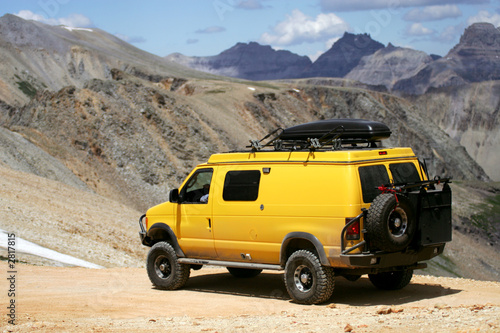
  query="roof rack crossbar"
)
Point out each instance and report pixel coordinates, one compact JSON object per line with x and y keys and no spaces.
{"x":317,"y":143}
{"x":256,"y":145}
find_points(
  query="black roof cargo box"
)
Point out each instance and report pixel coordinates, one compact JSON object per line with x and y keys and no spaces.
{"x":350,"y":129}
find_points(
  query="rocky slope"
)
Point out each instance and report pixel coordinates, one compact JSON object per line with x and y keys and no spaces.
{"x":389,"y":65}
{"x":36,"y":56}
{"x":132,"y":140}
{"x":468,"y":114}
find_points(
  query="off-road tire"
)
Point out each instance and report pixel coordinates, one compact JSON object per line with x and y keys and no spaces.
{"x":390,"y":223}
{"x":244,"y":272}
{"x":306,"y":281}
{"x":164,"y":270}
{"x":391,"y":280}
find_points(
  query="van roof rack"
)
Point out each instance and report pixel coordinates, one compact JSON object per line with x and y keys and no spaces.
{"x":331,"y":134}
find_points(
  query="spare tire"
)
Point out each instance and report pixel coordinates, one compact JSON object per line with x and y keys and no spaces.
{"x":391,"y":223}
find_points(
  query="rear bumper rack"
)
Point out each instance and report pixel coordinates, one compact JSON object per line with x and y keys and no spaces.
{"x":344,"y":230}
{"x":385,"y":259}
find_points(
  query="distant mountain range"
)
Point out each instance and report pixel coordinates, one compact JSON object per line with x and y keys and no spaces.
{"x":475,"y":58}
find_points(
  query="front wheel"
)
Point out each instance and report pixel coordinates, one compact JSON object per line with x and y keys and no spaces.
{"x":306,"y":281}
{"x":391,"y":280}
{"x":164,"y":270}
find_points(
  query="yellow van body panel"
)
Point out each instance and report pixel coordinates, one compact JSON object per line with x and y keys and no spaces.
{"x":299,"y":191}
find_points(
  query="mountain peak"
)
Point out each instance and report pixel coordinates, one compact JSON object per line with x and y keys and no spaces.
{"x":481,"y":35}
{"x":344,"y":55}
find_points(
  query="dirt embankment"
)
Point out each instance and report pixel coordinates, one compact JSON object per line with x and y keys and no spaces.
{"x":50,"y":299}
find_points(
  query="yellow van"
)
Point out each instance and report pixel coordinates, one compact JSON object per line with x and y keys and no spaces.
{"x":317,"y":200}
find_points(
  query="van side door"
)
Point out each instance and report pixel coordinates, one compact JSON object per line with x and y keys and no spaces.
{"x":194,"y":215}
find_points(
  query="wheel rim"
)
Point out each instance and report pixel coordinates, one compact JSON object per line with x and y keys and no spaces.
{"x":398,"y":222}
{"x":162,"y":267}
{"x":303,"y":278}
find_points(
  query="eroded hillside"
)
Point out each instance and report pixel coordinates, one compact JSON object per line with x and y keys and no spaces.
{"x":132,"y":140}
{"x":468,"y":114}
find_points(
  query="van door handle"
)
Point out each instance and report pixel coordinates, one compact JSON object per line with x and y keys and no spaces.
{"x":209,"y":223}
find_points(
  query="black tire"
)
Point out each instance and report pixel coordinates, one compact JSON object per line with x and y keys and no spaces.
{"x":390,"y":224}
{"x":244,"y":272}
{"x":391,"y":280}
{"x":164,"y":270}
{"x":306,"y":281}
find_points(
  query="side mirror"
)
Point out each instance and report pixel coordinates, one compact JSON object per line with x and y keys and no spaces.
{"x":174,"y":196}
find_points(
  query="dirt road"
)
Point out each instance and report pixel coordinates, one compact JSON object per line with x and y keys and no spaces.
{"x":54,"y":299}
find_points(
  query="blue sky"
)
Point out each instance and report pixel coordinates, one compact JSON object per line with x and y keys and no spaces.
{"x":208,"y":27}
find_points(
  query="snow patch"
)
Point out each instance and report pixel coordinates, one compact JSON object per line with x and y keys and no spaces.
{"x":27,"y":247}
{"x":76,"y":29}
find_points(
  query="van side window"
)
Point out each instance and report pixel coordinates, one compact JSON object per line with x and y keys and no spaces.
{"x":371,"y":177}
{"x":197,"y":187}
{"x":241,"y":186}
{"x":404,"y":173}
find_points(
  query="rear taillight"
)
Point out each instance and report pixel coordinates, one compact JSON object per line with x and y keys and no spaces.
{"x":353,"y":231}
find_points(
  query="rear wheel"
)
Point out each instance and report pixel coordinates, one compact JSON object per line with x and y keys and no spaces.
{"x":164,"y":270}
{"x":306,"y":281}
{"x":391,"y":280}
{"x":244,"y":272}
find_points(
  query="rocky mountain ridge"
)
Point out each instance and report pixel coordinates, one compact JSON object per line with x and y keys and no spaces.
{"x":250,"y":61}
{"x":406,"y":71}
{"x":476,"y":58}
{"x":344,"y":55}
{"x":389,"y":65}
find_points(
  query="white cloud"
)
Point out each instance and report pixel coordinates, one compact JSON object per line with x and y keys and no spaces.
{"x":484,"y":16}
{"x":73,"y":20}
{"x":329,"y":43}
{"x":433,"y":13}
{"x":417,"y":29}
{"x":360,"y":5}
{"x":211,"y":30}
{"x":249,"y":4}
{"x":450,"y":33}
{"x":299,"y":28}
{"x":315,"y":56}
{"x":29,"y":15}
